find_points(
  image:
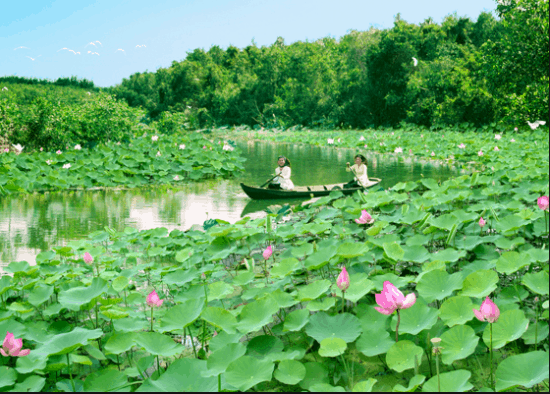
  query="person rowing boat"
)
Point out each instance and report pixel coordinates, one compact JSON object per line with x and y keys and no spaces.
{"x":282,"y":180}
{"x":359,"y":169}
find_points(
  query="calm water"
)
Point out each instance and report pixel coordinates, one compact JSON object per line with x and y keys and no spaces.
{"x":32,"y":223}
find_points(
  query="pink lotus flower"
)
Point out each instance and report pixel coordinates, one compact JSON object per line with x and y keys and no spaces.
{"x":158,"y":154}
{"x":366,"y":146}
{"x":462,"y":146}
{"x":362,"y":138}
{"x":267,"y":252}
{"x":58,"y":152}
{"x":154,"y":300}
{"x":343,"y":280}
{"x":512,"y":140}
{"x":177,"y":178}
{"x":12,"y":347}
{"x":7,"y":150}
{"x":204,"y":147}
{"x":482,"y":222}
{"x":496,"y":149}
{"x":41,"y":149}
{"x":88,"y":259}
{"x":433,"y":153}
{"x":480,"y":153}
{"x":488,"y":311}
{"x":391,"y":299}
{"x":543,"y":203}
{"x":365,"y":218}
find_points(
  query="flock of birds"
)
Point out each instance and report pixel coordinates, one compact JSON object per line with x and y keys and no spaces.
{"x":94,"y":43}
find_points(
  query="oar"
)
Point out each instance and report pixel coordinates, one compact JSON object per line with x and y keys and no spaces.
{"x":275,"y":176}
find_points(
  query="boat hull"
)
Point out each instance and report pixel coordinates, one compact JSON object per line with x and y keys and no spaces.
{"x":257,"y":193}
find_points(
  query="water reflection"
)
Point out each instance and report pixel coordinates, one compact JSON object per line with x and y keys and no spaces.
{"x":40,"y":221}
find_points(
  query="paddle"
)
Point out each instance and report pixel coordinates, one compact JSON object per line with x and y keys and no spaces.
{"x":275,"y":176}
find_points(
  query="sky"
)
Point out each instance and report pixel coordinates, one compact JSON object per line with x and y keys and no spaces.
{"x":107,"y":40}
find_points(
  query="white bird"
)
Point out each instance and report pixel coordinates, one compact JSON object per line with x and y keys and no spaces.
{"x":536,"y":124}
{"x":140,"y":46}
{"x":32,"y":58}
{"x":415,"y":61}
{"x":20,"y":48}
{"x":120,"y":50}
{"x":93,"y":53}
{"x":90,"y":43}
{"x":98,"y":42}
{"x":5,"y":88}
{"x":70,"y":50}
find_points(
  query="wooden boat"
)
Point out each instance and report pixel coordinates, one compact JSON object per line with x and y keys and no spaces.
{"x":257,"y":193}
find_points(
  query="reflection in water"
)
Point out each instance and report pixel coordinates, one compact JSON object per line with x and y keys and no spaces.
{"x":36,"y":222}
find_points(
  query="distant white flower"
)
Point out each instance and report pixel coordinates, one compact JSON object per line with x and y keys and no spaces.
{"x":338,"y":139}
{"x":433,"y":153}
{"x":58,"y":152}
{"x":392,"y":133}
{"x":6,"y":150}
{"x":182,"y":146}
{"x":77,"y":147}
{"x":512,"y":140}
{"x":398,"y":150}
{"x":48,"y":162}
{"x":330,"y":141}
{"x":415,"y":61}
{"x":498,"y":137}
{"x":462,"y":146}
{"x":18,"y":148}
{"x":66,"y":165}
{"x":4,"y":88}
{"x":515,"y":129}
{"x":88,"y":93}
{"x":496,"y":149}
{"x":366,"y":145}
{"x":227,"y":147}
{"x":118,"y":143}
{"x":536,"y":124}
{"x":381,"y":144}
{"x":480,"y":153}
{"x":155,"y":138}
{"x":176,"y":178}
{"x":362,"y":138}
{"x":421,"y":135}
{"x":158,"y":154}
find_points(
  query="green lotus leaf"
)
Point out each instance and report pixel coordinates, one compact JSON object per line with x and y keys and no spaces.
{"x":157,"y":344}
{"x":182,"y":315}
{"x":8,"y":376}
{"x":468,"y":242}
{"x":510,"y":223}
{"x":416,"y":253}
{"x":120,"y":342}
{"x":397,"y":281}
{"x":448,"y":255}
{"x":130,"y":324}
{"x":40,"y":294}
{"x":245,"y":278}
{"x":454,"y":381}
{"x":349,"y":250}
{"x":480,"y":283}
{"x":344,"y":326}
{"x":114,"y":312}
{"x":120,"y":283}
{"x":415,"y":319}
{"x":221,"y":318}
{"x":332,"y":347}
{"x":415,"y":381}
{"x":326,"y":388}
{"x":223,"y":339}
{"x":285,"y":267}
{"x":74,"y":298}
{"x":537,"y":283}
{"x":220,"y":359}
{"x":507,"y":243}
{"x":263,"y":345}
{"x":319,"y":258}
{"x":510,"y":262}
{"x":32,"y":383}
{"x":315,"y":373}
{"x":17,"y":266}
{"x":371,"y":320}
{"x":402,"y":354}
{"x":94,"y":352}
{"x":257,"y":314}
{"x":375,"y":342}
{"x":541,"y":331}
{"x":417,"y":240}
{"x":438,"y":284}
{"x":184,"y":375}
{"x":510,"y":326}
{"x":295,"y":320}
{"x":219,"y":290}
{"x":538,"y":255}
{"x":25,"y":365}
{"x":246,"y":371}
{"x":302,"y":250}
{"x":324,"y":305}
{"x":394,"y":251}
{"x":444,"y":222}
{"x":284,"y":300}
{"x":527,"y":370}
{"x":359,"y":286}
{"x":456,"y":310}
{"x":290,"y":372}
{"x":364,"y":386}
{"x":313,"y":290}
{"x":458,"y":343}
{"x":65,"y":343}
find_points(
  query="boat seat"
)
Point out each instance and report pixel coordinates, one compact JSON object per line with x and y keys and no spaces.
{"x":324,"y":187}
{"x":308,"y":189}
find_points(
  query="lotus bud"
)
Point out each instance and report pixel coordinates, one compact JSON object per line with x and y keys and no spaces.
{"x":154,"y":300}
{"x":543,"y":203}
{"x":88,"y":259}
{"x":267,"y":252}
{"x":343,"y":280}
{"x":488,"y":311}
{"x":12,"y":347}
{"x":482,"y":222}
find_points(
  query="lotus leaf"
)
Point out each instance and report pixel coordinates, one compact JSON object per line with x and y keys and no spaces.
{"x":454,"y":381}
{"x":290,"y":372}
{"x":525,"y":369}
{"x":402,"y":354}
{"x":510,"y":326}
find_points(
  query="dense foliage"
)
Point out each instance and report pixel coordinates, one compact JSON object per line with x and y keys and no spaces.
{"x":468,"y":72}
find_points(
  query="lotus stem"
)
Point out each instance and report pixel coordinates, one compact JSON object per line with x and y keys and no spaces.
{"x":192,"y":341}
{"x":397,"y":326}
{"x":536,"y":323}
{"x":151,"y":319}
{"x":491,"y":353}
{"x":343,"y":293}
{"x":219,"y":383}
{"x":437,"y":370}
{"x":70,"y":373}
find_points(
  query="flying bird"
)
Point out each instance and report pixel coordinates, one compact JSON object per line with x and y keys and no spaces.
{"x":20,"y":48}
{"x":98,"y":42}
{"x":32,"y":58}
{"x":415,"y":61}
{"x":140,"y":46}
{"x":90,"y":43}
{"x":70,"y":50}
{"x":536,"y":124}
{"x":120,"y":50}
{"x":93,"y":53}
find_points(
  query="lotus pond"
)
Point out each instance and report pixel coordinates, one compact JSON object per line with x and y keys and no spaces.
{"x":287,"y":302}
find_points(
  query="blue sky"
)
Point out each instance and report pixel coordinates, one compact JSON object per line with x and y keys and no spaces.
{"x":168,"y":29}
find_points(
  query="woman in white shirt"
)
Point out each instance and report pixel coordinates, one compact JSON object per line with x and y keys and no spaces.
{"x":360,"y":170}
{"x":283,"y":172}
